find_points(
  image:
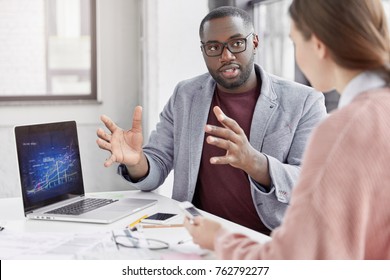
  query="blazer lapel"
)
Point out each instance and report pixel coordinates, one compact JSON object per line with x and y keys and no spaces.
{"x":263,"y":112}
{"x":199,"y":115}
{"x":265,"y":107}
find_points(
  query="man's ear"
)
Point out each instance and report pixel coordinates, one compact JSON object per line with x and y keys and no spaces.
{"x":255,"y":41}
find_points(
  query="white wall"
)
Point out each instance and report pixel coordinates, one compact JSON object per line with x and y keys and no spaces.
{"x":171,"y":53}
{"x":137,"y":64}
{"x":171,"y":49}
{"x":119,"y":88}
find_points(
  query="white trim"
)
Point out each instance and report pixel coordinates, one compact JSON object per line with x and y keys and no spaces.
{"x":150,"y":64}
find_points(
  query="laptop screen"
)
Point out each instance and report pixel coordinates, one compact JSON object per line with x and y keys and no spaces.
{"x":49,"y":163}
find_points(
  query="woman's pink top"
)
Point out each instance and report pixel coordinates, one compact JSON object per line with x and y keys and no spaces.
{"x":340,"y":208}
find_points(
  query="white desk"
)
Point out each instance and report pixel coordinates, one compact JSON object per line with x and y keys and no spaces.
{"x":12,"y":218}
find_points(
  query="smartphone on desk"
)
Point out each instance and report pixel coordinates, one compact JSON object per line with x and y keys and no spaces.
{"x":189,"y":210}
{"x":159,"y":218}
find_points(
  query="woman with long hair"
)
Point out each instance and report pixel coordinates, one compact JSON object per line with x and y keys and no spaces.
{"x":339,"y":207}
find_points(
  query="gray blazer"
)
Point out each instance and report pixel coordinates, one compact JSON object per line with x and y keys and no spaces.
{"x":285,"y":114}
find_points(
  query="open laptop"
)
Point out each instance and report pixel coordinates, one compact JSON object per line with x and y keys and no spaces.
{"x":51,"y":178}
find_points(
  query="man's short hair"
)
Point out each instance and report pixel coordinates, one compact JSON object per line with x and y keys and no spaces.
{"x":226,"y":11}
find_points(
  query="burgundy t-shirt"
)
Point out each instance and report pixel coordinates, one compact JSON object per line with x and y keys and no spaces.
{"x":222,"y":189}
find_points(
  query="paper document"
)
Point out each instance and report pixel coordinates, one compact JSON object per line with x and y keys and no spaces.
{"x":41,"y":245}
{"x":118,"y":244}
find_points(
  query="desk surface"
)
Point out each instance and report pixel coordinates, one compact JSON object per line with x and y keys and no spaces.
{"x":12,"y":217}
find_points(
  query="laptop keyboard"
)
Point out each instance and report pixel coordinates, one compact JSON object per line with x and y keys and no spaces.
{"x":82,"y":206}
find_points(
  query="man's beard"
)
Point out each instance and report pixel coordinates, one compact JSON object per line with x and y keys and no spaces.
{"x":244,"y":76}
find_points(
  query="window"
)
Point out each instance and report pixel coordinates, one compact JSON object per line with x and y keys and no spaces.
{"x":276,"y":52}
{"x":48,"y":50}
{"x":386,"y":5}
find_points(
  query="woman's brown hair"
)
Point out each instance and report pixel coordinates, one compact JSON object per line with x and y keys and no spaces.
{"x":355,"y":31}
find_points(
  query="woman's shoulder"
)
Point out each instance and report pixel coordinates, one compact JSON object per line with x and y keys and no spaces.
{"x":367,"y":113}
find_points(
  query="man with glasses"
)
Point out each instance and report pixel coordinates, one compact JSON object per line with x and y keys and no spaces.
{"x":234,"y":136}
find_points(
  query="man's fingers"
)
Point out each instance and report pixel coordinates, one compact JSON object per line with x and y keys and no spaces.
{"x":110,"y":161}
{"x":137,"y":119}
{"x":104,"y":145}
{"x":103,"y":135}
{"x":108,"y":123}
{"x":226,"y":121}
{"x":221,"y":132}
{"x":219,"y":113}
{"x":220,"y":143}
{"x":221,"y":160}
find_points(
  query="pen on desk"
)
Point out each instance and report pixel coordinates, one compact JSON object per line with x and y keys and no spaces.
{"x":162,"y":226}
{"x":1,"y":228}
{"x":133,"y":224}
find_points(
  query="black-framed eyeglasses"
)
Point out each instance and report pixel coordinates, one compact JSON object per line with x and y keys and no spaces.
{"x":235,"y":45}
{"x":134,"y":242}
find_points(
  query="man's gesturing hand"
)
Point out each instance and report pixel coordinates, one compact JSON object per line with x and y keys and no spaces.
{"x":125,"y":146}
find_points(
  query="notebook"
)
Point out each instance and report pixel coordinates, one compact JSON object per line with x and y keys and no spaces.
{"x":51,"y":178}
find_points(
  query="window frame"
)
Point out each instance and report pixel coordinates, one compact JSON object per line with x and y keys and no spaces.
{"x":92,"y":96}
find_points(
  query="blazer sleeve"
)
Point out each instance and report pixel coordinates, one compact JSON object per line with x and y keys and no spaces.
{"x":272,"y":205}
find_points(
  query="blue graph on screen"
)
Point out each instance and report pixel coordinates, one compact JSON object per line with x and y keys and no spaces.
{"x":52,"y":170}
